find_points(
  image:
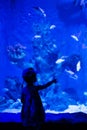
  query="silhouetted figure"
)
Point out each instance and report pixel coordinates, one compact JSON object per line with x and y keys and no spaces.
{"x":32,"y":113}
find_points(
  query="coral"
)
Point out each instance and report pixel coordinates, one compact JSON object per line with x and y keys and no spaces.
{"x":45,"y":50}
{"x":11,"y":94}
{"x":16,"y":53}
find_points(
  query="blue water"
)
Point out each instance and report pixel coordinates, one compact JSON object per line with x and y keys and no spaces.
{"x":20,"y":22}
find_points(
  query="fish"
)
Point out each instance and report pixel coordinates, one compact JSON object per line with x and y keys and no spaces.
{"x":75,"y":37}
{"x":71,"y":74}
{"x":60,"y":60}
{"x":69,"y":71}
{"x":70,"y":64}
{"x":40,"y":10}
{"x":52,"y":26}
{"x":37,"y":36}
{"x":78,"y":66}
{"x":85,"y":93}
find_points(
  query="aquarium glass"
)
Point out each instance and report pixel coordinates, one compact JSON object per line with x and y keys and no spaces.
{"x":51,"y":36}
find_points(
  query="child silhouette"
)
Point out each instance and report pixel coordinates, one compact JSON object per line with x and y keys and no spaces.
{"x":32,"y":112}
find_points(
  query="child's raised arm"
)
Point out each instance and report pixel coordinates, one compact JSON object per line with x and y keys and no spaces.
{"x":47,"y":84}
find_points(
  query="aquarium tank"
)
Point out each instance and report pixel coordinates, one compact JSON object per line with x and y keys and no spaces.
{"x":50,"y":36}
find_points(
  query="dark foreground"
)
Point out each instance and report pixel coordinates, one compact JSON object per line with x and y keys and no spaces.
{"x":53,"y":121}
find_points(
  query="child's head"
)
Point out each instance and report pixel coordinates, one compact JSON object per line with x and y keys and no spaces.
{"x":29,"y":75}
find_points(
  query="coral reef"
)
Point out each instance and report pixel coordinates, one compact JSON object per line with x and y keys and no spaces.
{"x":16,"y":53}
{"x":12,"y":93}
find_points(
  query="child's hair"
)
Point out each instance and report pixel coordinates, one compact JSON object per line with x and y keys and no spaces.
{"x":29,"y":75}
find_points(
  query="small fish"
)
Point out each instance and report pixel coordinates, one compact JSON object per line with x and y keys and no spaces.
{"x":54,"y":45}
{"x":74,"y":76}
{"x":85,"y":93}
{"x":52,"y":26}
{"x":78,"y":66}
{"x":75,"y":37}
{"x":40,"y":10}
{"x":37,"y":36}
{"x":59,"y":61}
{"x":71,"y":74}
{"x":69,"y":71}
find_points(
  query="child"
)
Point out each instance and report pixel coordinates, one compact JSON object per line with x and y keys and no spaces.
{"x":32,"y":113}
